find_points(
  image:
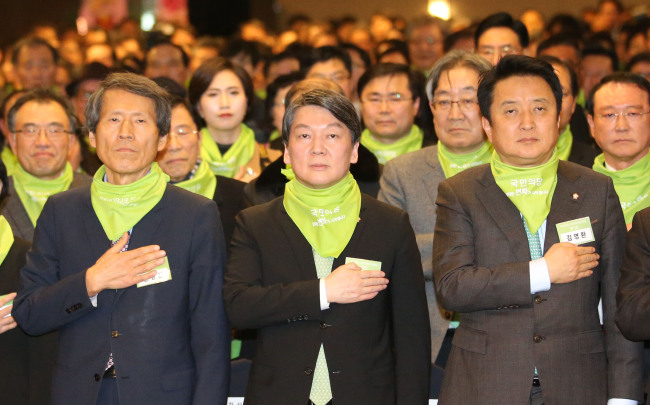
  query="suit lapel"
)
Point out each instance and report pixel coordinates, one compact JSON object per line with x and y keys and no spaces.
{"x":503,"y":212}
{"x":430,"y":179}
{"x":15,"y":208}
{"x":565,"y":206}
{"x":299,"y":246}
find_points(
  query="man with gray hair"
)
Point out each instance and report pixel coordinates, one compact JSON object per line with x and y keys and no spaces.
{"x":410,"y":181}
{"x":130,"y":269}
{"x":42,"y":128}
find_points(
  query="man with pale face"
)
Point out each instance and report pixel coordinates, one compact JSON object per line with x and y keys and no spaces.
{"x":389,"y":104}
{"x":42,"y":127}
{"x":525,"y":248}
{"x":619,"y":122}
{"x":348,"y":284}
{"x":107,"y":260}
{"x":34,"y":61}
{"x":425,"y":40}
{"x":499,"y":35}
{"x":167,"y":60}
{"x":569,"y":144}
{"x":410,"y":181}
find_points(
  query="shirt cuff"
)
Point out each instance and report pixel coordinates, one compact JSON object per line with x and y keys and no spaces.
{"x":323,"y":296}
{"x":620,"y":401}
{"x":540,"y":280}
{"x":93,"y":301}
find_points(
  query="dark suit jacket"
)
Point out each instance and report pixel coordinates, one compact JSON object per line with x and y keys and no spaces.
{"x":378,"y":351}
{"x":633,"y":295}
{"x":12,"y":208}
{"x":481,"y":269}
{"x":169,"y":340}
{"x":26,"y":361}
{"x":583,"y":154}
{"x":229,"y":197}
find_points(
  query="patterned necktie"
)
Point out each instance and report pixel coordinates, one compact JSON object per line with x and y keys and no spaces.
{"x":321,"y":390}
{"x":534,"y":245}
{"x":110,"y":363}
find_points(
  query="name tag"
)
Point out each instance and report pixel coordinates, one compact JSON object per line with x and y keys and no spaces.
{"x":161,"y":274}
{"x":577,"y":231}
{"x":364,"y":264}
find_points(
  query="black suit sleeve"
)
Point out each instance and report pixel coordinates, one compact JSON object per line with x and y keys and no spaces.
{"x":250,"y":303}
{"x":633,"y":295}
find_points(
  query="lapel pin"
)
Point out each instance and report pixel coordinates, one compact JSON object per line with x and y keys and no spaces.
{"x":575,"y":196}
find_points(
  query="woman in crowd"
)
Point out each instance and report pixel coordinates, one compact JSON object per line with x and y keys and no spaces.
{"x":220,"y":91}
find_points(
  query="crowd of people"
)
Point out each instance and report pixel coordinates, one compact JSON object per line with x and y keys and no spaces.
{"x":346,"y":208}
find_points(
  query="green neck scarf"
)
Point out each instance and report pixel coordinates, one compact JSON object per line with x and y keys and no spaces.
{"x":385,"y":152}
{"x":239,"y":154}
{"x":454,"y":163}
{"x":564,"y":143}
{"x":632,"y":184}
{"x":33,"y":192}
{"x":274,"y":135}
{"x":529,"y":188}
{"x":6,"y":238}
{"x":326,"y":217}
{"x":204,"y":182}
{"x":120,"y":208}
{"x":9,"y":159}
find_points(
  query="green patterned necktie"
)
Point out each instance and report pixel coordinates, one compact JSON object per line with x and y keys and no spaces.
{"x":321,"y":390}
{"x":534,"y":245}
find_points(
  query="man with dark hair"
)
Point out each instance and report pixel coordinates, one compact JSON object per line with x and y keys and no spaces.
{"x":640,"y":65}
{"x":571,"y":143}
{"x":525,"y":248}
{"x":327,"y":331}
{"x":35,"y":62}
{"x":331,"y":63}
{"x":138,"y":308}
{"x":167,"y":60}
{"x":280,"y":64}
{"x":390,"y":101}
{"x":499,"y":35}
{"x":618,"y":117}
{"x":564,"y":47}
{"x":596,"y":62}
{"x":42,"y":125}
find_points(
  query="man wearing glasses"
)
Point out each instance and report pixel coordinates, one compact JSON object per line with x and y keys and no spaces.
{"x":618,"y":117}
{"x":499,"y":35}
{"x":389,"y":106}
{"x":410,"y":182}
{"x":42,"y":127}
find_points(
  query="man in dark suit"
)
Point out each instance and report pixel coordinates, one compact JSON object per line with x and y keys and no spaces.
{"x":525,"y":248}
{"x":329,"y":332}
{"x":130,"y":269}
{"x":43,"y":127}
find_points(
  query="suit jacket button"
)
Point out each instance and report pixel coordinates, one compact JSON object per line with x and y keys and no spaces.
{"x":97,"y":377}
{"x":115,"y":334}
{"x":294,"y":319}
{"x":538,"y":299}
{"x":308,"y":371}
{"x":538,"y":338}
{"x":447,"y":315}
{"x":323,"y":325}
{"x":305,"y":317}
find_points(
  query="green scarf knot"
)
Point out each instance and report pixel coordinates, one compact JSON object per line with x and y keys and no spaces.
{"x":120,"y":207}
{"x":385,"y":152}
{"x":238,"y":155}
{"x":34,"y":192}
{"x":529,"y":188}
{"x":326,"y":217}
